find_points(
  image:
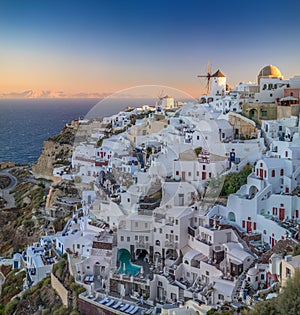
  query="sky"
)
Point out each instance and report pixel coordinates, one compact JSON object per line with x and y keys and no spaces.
{"x":99,"y":47}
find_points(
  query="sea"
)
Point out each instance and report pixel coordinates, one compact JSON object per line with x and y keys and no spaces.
{"x":26,"y":123}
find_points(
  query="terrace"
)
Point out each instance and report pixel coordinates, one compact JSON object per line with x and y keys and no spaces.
{"x":111,"y":304}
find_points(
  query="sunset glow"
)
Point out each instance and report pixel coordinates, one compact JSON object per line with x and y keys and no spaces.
{"x":101,"y":47}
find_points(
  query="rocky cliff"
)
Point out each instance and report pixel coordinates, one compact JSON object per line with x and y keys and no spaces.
{"x":56,"y":152}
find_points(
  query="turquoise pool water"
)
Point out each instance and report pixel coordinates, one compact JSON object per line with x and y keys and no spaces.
{"x":125,"y":263}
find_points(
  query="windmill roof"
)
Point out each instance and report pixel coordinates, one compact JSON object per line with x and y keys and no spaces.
{"x":218,"y":74}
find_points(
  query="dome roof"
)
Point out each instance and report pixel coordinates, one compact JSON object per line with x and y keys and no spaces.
{"x":252,"y":271}
{"x":270,"y":71}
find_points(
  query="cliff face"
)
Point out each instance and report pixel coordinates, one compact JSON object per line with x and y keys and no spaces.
{"x":56,"y":151}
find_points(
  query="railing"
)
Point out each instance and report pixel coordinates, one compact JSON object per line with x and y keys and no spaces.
{"x":141,"y":245}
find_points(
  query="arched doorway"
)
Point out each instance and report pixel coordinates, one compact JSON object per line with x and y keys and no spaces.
{"x":253,"y":113}
{"x":171,"y":254}
{"x":231,"y":216}
{"x":141,"y":254}
{"x":252,"y":192}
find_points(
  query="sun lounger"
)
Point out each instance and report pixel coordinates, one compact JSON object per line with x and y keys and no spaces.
{"x":115,"y":306}
{"x":111,"y":302}
{"x":130,"y":309}
{"x":123,"y":308}
{"x":103,"y":300}
{"x":135,"y":309}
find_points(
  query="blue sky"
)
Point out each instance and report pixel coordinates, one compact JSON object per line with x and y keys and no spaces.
{"x":103,"y":46}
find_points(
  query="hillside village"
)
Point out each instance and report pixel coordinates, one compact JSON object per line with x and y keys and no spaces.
{"x":148,"y":230}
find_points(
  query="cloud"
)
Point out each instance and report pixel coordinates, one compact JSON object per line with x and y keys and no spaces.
{"x":51,"y":94}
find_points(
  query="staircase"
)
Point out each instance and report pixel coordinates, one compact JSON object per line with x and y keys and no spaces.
{"x":181,"y":296}
{"x":170,"y":279}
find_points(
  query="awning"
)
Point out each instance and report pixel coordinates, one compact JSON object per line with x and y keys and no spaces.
{"x":289,"y":98}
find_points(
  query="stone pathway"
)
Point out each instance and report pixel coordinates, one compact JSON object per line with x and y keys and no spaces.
{"x":4,"y":193}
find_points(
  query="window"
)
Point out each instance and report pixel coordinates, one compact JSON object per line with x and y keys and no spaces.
{"x":262,"y":277}
{"x":176,"y":222}
{"x":128,"y":199}
{"x":273,"y":173}
{"x":136,"y":224}
{"x":122,"y":238}
{"x":197,"y":173}
{"x":221,"y":297}
{"x":254,"y":225}
{"x":177,"y":173}
{"x":263,"y":113}
{"x":243,"y":224}
{"x":282,"y":172}
{"x":209,"y":174}
{"x":160,"y":231}
{"x":128,"y":239}
{"x":207,"y":273}
{"x":189,"y":174}
{"x":78,"y":246}
{"x":287,"y":272}
{"x":203,"y":167}
{"x":146,"y":225}
{"x":176,"y":237}
{"x":147,"y":238}
{"x":136,"y":237}
{"x":297,"y":213}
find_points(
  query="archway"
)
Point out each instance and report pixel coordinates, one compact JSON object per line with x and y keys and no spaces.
{"x":253,"y":113}
{"x":252,"y":192}
{"x":141,"y":254}
{"x":171,"y":254}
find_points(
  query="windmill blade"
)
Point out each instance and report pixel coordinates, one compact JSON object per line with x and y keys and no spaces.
{"x":209,"y":67}
{"x":207,"y":76}
{"x":161,"y":94}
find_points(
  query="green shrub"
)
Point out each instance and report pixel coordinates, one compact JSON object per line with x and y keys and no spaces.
{"x":11,"y":306}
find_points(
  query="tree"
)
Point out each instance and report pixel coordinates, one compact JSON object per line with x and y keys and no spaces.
{"x":234,"y":181}
{"x":287,"y":302}
{"x":296,"y":250}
